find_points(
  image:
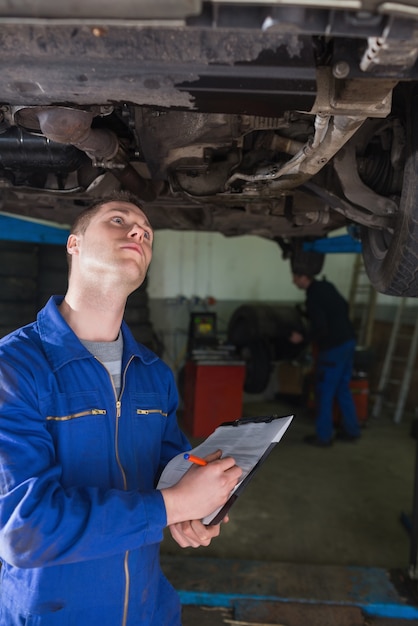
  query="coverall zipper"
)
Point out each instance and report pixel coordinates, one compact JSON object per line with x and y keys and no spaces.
{"x":125,"y":483}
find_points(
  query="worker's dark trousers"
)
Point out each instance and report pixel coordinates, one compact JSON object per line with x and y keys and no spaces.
{"x":334,"y":371}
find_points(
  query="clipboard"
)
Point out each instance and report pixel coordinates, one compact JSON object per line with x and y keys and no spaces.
{"x":250,"y":440}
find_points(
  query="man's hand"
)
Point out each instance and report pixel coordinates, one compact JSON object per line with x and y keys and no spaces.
{"x":201,"y":490}
{"x":194,"y":534}
{"x":296,"y":337}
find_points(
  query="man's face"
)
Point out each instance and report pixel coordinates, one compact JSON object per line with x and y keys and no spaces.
{"x":300,"y":280}
{"x":117,"y":242}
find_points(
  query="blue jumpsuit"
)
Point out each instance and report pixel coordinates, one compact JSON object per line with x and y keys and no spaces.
{"x":80,"y":519}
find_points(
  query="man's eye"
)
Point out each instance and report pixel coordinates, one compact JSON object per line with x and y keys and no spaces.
{"x":118,"y":220}
{"x":147,"y":234}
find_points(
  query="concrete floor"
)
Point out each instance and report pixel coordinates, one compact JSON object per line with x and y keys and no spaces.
{"x":316,"y":509}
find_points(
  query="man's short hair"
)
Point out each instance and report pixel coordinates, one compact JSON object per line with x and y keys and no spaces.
{"x":306,"y":262}
{"x":301,"y":271}
{"x":310,"y":276}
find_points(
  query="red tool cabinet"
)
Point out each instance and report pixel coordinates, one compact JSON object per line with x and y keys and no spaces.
{"x":213,"y":393}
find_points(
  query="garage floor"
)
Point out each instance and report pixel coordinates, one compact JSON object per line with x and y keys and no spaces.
{"x":317,"y":537}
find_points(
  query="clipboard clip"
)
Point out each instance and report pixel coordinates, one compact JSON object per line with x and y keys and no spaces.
{"x":260,"y":419}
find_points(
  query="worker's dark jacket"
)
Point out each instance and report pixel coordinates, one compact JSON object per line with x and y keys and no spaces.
{"x":327,"y":311}
{"x":80,"y":519}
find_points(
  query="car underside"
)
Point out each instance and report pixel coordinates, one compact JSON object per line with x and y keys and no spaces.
{"x":286,"y":120}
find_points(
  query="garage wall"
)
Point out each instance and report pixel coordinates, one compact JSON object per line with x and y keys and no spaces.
{"x":189,"y":269}
{"x":239,"y":268}
{"x":188,"y":264}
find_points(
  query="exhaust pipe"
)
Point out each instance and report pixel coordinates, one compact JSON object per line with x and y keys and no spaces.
{"x":73,"y":126}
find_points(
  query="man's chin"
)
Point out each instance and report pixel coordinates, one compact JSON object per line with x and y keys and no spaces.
{"x":135,"y":283}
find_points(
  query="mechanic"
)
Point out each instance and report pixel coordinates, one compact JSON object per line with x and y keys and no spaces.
{"x":331,"y":331}
{"x":87,"y":423}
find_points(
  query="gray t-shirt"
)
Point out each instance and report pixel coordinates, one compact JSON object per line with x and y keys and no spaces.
{"x":109,"y":353}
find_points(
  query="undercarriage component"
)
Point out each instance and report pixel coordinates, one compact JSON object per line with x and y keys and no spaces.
{"x":279,"y":119}
{"x":328,"y":138}
{"x":355,"y":190}
{"x":21,"y":150}
{"x":73,"y":126}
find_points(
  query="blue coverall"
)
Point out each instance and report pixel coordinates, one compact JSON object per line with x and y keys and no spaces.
{"x":80,"y":519}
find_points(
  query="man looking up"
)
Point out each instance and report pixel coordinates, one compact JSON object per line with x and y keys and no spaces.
{"x":87,"y":423}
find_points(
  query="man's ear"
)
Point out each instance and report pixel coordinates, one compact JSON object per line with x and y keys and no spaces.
{"x":72,"y":244}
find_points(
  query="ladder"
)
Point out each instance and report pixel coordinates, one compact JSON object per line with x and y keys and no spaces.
{"x":392,"y":357}
{"x":362,"y":294}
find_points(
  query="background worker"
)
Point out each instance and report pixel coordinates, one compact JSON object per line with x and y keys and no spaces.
{"x":331,"y":330}
{"x":87,"y":423}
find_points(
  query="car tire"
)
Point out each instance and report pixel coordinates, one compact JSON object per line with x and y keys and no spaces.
{"x":258,"y":365}
{"x":391,"y":259}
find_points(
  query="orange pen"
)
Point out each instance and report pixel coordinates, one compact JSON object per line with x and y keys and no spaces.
{"x":195,"y":459}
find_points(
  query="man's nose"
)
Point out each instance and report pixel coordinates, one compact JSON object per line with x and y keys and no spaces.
{"x":137,"y":232}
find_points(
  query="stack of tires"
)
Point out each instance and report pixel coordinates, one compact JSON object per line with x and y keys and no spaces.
{"x":53,"y":272}
{"x":18,"y":285}
{"x":261,"y":334}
